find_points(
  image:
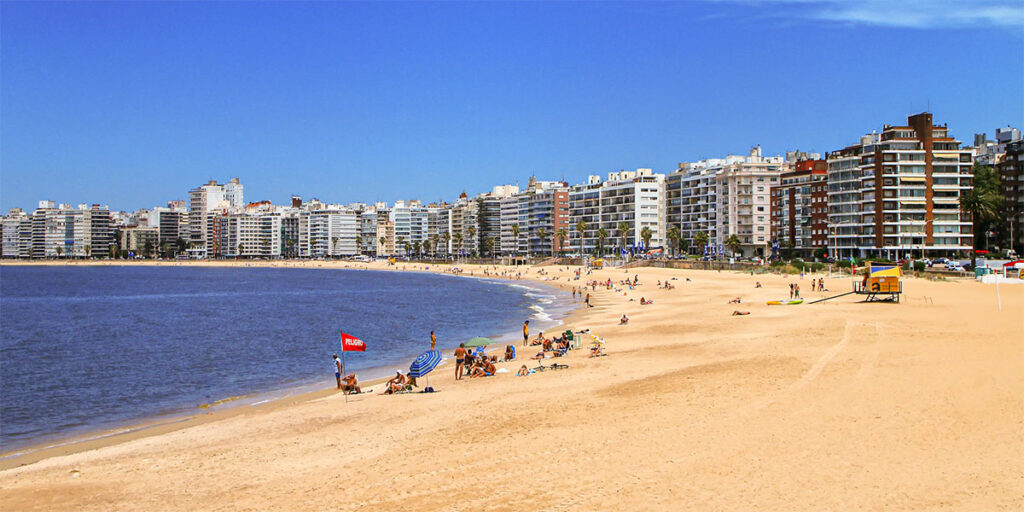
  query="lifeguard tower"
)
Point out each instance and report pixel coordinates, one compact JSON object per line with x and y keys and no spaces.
{"x":881,"y":283}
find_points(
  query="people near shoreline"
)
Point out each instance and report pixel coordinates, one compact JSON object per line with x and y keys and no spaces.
{"x":337,"y":370}
{"x":484,"y":369}
{"x":433,"y":340}
{"x":624,"y":320}
{"x":740,"y":313}
{"x":460,"y":360}
{"x":526,"y":332}
{"x":351,"y":384}
{"x":396,"y":383}
{"x":510,"y":353}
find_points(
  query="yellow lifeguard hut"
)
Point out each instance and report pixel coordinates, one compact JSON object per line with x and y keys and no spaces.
{"x":881,"y":283}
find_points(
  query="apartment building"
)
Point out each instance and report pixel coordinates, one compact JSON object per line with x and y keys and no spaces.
{"x":12,"y":245}
{"x":1011,"y":184}
{"x":634,"y":197}
{"x":140,"y":241}
{"x":898,"y":192}
{"x":743,"y":196}
{"x":799,"y":207}
{"x":204,"y":201}
{"x":691,"y":204}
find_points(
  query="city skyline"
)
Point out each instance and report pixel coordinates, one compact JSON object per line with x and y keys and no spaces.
{"x":321,"y":100}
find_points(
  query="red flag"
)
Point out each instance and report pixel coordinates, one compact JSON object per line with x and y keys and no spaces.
{"x":350,"y":343}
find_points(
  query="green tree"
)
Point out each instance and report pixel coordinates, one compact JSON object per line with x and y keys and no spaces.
{"x":515,"y":234}
{"x":60,"y":251}
{"x":674,"y":236}
{"x":88,"y":251}
{"x":459,"y":237}
{"x":400,"y":242}
{"x":382,"y":245}
{"x":701,"y":239}
{"x":147,"y":249}
{"x":359,"y":244}
{"x":471,"y":232}
{"x":581,"y":227}
{"x":646,"y":235}
{"x":984,"y":204}
{"x":623,"y":230}
{"x":561,"y":235}
{"x":542,"y":235}
{"x":602,"y":235}
{"x":416,"y":246}
{"x":447,"y":238}
{"x":733,"y":243}
{"x":334,"y":246}
{"x":489,"y":245}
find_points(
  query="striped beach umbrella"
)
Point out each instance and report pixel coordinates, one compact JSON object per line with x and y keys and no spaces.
{"x":425,"y":363}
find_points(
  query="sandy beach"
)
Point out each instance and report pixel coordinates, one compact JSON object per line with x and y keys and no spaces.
{"x":838,"y":405}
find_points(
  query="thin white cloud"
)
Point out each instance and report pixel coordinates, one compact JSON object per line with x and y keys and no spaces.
{"x":921,"y":14}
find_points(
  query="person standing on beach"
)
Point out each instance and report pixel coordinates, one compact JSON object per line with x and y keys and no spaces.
{"x":433,"y":340}
{"x":337,"y":370}
{"x":796,"y":290}
{"x":526,"y":332}
{"x":460,"y":360}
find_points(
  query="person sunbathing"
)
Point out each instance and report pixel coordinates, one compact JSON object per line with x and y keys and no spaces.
{"x":740,"y":313}
{"x":737,"y":300}
{"x":624,"y":320}
{"x":395,"y":384}
{"x":486,"y":369}
{"x":351,"y":384}
{"x":595,"y":351}
{"x":539,"y":356}
{"x":523,"y":371}
{"x":547,"y":344}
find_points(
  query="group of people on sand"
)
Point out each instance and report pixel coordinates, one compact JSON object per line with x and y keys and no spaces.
{"x":474,"y":365}
{"x":348,"y":384}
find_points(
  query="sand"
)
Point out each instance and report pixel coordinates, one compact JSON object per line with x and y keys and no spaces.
{"x":832,"y":406}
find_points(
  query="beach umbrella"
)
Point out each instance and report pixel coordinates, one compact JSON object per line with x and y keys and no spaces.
{"x":479,"y":341}
{"x":425,"y":363}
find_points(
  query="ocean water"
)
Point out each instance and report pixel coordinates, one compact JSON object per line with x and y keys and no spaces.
{"x":83,"y":349}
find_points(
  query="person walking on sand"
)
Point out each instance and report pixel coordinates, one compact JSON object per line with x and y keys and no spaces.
{"x":433,"y":340}
{"x":460,"y":360}
{"x":526,"y":332}
{"x":337,"y":370}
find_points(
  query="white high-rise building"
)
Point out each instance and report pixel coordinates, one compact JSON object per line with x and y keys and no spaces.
{"x":636,"y":198}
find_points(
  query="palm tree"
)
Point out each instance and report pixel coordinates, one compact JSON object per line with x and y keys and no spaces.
{"x":334,"y":245}
{"x":646,"y":235}
{"x":623,"y":230}
{"x":433,"y":242}
{"x":542,"y":234}
{"x":426,"y":246}
{"x":602,"y":235}
{"x":408,"y":248}
{"x":561,"y":235}
{"x":416,"y":247}
{"x":581,"y":226}
{"x":447,"y":238}
{"x":381,"y":247}
{"x":515,"y":234}
{"x":489,"y":245}
{"x":674,"y":235}
{"x":113,"y":251}
{"x":88,"y":251}
{"x":359,"y":244}
{"x":470,"y":233}
{"x":400,"y":242}
{"x":701,"y":239}
{"x":983,"y":203}
{"x":239,"y":253}
{"x":458,"y":242}
{"x":733,"y":243}
{"x":60,"y":250}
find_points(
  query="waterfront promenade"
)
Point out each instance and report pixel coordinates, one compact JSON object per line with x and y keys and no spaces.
{"x":832,"y":406}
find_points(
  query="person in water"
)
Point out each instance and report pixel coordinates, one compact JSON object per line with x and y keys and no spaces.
{"x":433,"y":340}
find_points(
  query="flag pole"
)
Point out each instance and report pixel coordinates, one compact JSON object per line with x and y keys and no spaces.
{"x":341,"y":341}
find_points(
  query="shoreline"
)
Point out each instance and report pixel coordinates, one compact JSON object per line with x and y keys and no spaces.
{"x":231,"y":405}
{"x":839,"y":405}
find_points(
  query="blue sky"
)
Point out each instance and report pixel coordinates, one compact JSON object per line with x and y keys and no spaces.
{"x":132,"y":104}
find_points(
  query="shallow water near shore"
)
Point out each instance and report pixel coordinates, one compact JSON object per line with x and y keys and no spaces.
{"x":94,"y":348}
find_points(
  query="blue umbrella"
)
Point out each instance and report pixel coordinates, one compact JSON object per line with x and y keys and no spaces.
{"x":425,"y":363}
